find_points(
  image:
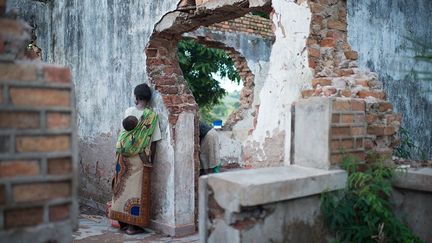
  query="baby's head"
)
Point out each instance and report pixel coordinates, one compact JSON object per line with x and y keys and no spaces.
{"x":129,"y":123}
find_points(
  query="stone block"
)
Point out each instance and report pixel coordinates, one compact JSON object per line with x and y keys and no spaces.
{"x":341,"y":105}
{"x":59,"y":212}
{"x":23,"y":217}
{"x":337,"y":145}
{"x":376,"y":94}
{"x":53,"y":74}
{"x":352,"y":55}
{"x":41,"y":191}
{"x":336,"y":24}
{"x":5,"y":144}
{"x":233,"y":190}
{"x":415,"y":179}
{"x":328,"y":42}
{"x":18,"y":72}
{"x":312,"y":131}
{"x":43,"y":143}
{"x":37,"y":97}
{"x":307,"y":93}
{"x":19,"y":119}
{"x":2,"y":195}
{"x":314,"y":52}
{"x":59,"y":166}
{"x":379,"y":130}
{"x":18,"y":168}
{"x":56,"y":120}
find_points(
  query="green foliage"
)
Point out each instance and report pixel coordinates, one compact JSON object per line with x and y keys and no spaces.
{"x":221,"y":111}
{"x":362,"y":212}
{"x":261,"y":14}
{"x":199,"y":64}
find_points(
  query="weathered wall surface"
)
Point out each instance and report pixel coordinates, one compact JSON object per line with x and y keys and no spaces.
{"x":377,"y":30}
{"x":289,"y":72}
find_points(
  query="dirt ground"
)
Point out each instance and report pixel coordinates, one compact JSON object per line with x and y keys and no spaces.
{"x":96,"y":229}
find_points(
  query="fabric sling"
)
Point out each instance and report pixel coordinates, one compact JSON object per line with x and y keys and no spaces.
{"x":136,"y":141}
{"x":131,"y":182}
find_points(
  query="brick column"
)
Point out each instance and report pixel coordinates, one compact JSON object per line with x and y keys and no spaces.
{"x":37,"y":144}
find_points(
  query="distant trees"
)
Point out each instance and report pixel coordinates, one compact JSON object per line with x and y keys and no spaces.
{"x":199,"y":64}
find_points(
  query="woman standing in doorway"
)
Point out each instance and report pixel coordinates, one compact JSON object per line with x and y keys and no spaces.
{"x":135,"y":151}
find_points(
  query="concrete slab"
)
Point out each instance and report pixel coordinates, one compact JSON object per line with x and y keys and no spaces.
{"x":97,"y":229}
{"x":312,"y":129}
{"x":232,"y":190}
{"x":415,"y":179}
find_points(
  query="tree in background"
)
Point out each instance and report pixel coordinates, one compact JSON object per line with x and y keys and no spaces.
{"x":199,"y":64}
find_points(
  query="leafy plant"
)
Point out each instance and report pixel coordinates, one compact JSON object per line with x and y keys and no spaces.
{"x":362,"y":212}
{"x":198,"y":64}
{"x":261,"y":14}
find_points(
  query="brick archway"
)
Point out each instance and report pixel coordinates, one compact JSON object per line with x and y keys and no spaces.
{"x":246,"y":76}
{"x":165,"y":75}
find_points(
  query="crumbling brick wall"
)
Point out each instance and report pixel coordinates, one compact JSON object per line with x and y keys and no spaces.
{"x":336,"y":74}
{"x":250,"y":24}
{"x":37,"y":152}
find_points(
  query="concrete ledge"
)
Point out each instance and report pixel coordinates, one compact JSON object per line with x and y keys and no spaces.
{"x":176,"y":231}
{"x":415,"y":179}
{"x":234,"y":190}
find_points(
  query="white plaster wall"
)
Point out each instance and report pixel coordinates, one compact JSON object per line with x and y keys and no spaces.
{"x":288,"y":74}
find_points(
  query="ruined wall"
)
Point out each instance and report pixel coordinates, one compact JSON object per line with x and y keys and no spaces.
{"x":38,"y":147}
{"x":289,"y":72}
{"x":276,"y":207}
{"x":103,"y":42}
{"x":378,"y":31}
{"x":251,"y":52}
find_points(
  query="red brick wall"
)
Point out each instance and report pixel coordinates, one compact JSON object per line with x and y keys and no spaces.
{"x":348,"y":129}
{"x":37,"y":181}
{"x":250,"y":24}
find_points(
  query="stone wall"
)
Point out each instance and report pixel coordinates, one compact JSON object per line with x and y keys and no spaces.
{"x":38,"y":152}
{"x":380,"y":32}
{"x":276,"y":207}
{"x":411,"y":200}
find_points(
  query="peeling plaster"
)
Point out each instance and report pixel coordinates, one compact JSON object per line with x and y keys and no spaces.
{"x":288,"y":74}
